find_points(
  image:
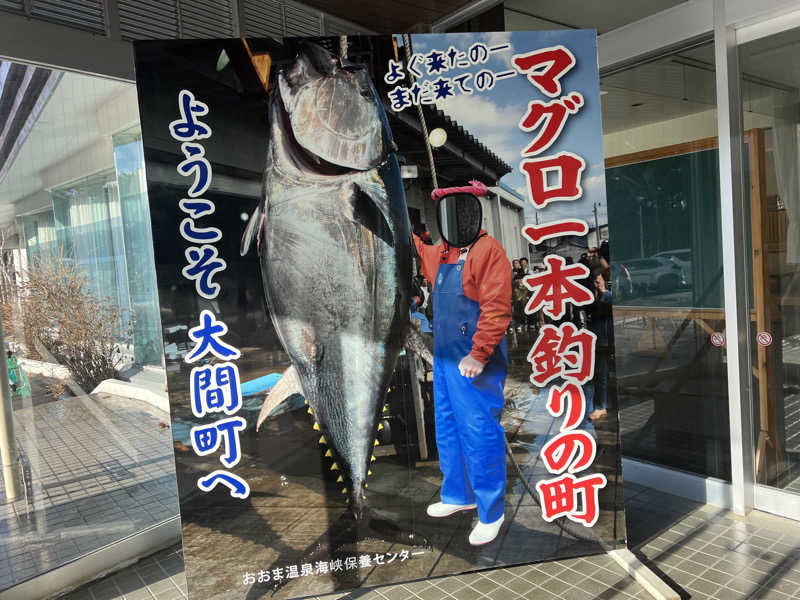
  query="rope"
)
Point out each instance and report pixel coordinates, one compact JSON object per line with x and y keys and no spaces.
{"x":407,"y":46}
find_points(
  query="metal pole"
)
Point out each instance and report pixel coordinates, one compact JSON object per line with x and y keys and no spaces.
{"x":735,"y":285}
{"x":641,"y":230}
{"x":8,"y":446}
{"x":596,"y":227}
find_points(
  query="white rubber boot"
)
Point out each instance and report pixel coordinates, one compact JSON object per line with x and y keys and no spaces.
{"x":483,"y":533}
{"x":440,"y":509}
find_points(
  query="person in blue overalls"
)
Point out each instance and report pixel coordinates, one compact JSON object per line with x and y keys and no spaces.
{"x":471,"y":278}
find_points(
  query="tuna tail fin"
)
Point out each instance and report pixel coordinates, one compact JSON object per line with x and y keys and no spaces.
{"x":415,"y":342}
{"x":288,"y":385}
{"x":253,"y":228}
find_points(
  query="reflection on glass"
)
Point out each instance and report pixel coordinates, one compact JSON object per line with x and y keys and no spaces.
{"x":89,"y":233}
{"x":662,"y":184}
{"x":40,"y":235}
{"x":135,"y":215}
{"x":771,"y":97}
{"x":74,"y":268}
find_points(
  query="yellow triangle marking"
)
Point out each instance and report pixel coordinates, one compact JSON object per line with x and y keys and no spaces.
{"x":369,"y":473}
{"x":372,"y":459}
{"x":377,"y":443}
{"x":334,"y":467}
{"x":310,"y":410}
{"x":380,"y":426}
{"x":339,"y":479}
{"x":322,"y":440}
{"x":329,"y":454}
{"x":344,"y":490}
{"x":316,"y":426}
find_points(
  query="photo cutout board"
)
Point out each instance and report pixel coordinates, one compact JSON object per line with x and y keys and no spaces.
{"x":385,"y":295}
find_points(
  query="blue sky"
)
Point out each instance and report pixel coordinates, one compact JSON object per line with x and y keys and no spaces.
{"x":492,"y":116}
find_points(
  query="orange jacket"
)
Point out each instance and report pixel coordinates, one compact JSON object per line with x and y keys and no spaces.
{"x":486,"y":278}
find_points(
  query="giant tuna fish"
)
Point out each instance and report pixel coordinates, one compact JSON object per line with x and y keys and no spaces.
{"x":336,"y":254}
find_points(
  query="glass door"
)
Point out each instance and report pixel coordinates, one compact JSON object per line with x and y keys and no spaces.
{"x":770,"y":83}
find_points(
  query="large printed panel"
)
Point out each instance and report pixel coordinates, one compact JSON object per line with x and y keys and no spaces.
{"x":370,"y":379}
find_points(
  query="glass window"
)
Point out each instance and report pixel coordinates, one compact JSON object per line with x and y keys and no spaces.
{"x":662,"y":183}
{"x":76,"y":267}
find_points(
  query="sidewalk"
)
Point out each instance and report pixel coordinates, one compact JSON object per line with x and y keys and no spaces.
{"x":704,"y":552}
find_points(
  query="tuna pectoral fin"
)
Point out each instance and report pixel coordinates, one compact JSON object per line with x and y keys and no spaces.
{"x":253,"y":226}
{"x":415,"y":342}
{"x":367,"y":210}
{"x":288,"y":385}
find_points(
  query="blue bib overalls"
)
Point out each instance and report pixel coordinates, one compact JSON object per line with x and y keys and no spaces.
{"x":468,"y":431}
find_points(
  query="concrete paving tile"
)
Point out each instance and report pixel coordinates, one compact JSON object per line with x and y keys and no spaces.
{"x":577,"y":593}
{"x":726,"y":593}
{"x":161,"y":586}
{"x":538,"y":594}
{"x":105,"y":593}
{"x":554,"y":585}
{"x":176,"y":595}
{"x":682,"y":578}
{"x":741,"y":586}
{"x":704,"y":558}
{"x":703,"y":588}
{"x":782,"y":585}
{"x":753,"y":575}
{"x":791,"y":575}
{"x":717,"y":577}
{"x":535,"y":577}
{"x":608,"y":578}
{"x":766,"y":593}
{"x":467,"y":593}
{"x":689,"y":566}
{"x":395,"y":593}
{"x":141,"y":594}
{"x":448,"y":584}
{"x":485,"y":586}
{"x":432,"y":593}
{"x":503,"y":594}
{"x":762,"y":565}
{"x":498,"y":575}
{"x":552,"y":568}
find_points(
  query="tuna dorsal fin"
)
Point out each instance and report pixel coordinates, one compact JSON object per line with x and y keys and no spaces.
{"x":288,"y":385}
{"x":253,"y":226}
{"x":417,"y":344}
{"x":367,"y":210}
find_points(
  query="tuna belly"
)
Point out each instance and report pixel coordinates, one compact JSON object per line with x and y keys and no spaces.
{"x":332,"y":289}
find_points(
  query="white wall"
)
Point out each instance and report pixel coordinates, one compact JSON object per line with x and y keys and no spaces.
{"x":673,"y":131}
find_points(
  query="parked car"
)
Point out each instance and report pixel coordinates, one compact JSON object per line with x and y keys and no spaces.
{"x":621,"y":282}
{"x":683,"y":258}
{"x":656,"y":273}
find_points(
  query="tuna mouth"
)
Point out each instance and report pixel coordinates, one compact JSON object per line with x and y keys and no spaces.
{"x":304,"y":157}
